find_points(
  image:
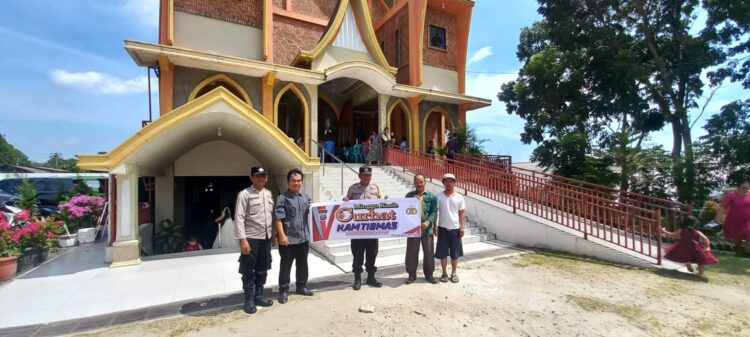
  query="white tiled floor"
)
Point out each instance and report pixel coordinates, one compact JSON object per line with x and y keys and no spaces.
{"x":65,"y":289}
{"x":79,"y":284}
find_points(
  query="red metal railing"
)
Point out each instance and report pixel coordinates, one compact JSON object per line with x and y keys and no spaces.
{"x":626,"y":219}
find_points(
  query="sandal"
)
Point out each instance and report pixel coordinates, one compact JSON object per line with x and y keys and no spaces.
{"x":444,"y":278}
{"x":454,"y":278}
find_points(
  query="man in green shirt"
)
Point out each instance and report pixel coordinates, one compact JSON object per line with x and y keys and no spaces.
{"x":429,"y":214}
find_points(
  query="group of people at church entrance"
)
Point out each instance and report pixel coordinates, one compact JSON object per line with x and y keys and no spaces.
{"x":262,"y":222}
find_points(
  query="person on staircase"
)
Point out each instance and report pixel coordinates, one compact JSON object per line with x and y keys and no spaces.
{"x":364,"y":248}
{"x":253,"y":220}
{"x":293,"y":234}
{"x":428,"y":204}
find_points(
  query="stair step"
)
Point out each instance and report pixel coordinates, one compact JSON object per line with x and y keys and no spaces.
{"x":390,"y":250}
{"x":343,"y":246}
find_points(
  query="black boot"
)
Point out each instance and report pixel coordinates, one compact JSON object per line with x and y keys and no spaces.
{"x":259,"y":300}
{"x":283,"y":295}
{"x":249,"y":306}
{"x":357,"y":281}
{"x":372,"y":282}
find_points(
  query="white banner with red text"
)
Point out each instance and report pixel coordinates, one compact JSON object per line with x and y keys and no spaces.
{"x":365,"y":219}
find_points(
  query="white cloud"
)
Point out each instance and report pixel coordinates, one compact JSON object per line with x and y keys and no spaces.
{"x":92,"y":82}
{"x":146,"y":12}
{"x":480,"y":54}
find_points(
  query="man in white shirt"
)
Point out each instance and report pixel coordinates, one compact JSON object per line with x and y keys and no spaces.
{"x":450,"y":230}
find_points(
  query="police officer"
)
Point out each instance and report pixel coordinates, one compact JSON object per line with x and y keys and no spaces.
{"x":293,"y":233}
{"x":362,"y":248}
{"x":253,"y":219}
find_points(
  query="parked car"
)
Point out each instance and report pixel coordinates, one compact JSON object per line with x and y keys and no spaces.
{"x":50,"y":188}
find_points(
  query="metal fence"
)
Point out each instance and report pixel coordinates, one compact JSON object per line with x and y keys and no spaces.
{"x":626,"y":219}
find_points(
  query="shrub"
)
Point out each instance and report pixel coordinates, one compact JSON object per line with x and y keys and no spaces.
{"x":81,"y":211}
{"x":8,"y":245}
{"x":27,"y":193}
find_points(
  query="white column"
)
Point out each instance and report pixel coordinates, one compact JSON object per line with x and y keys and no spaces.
{"x":313,"y":122}
{"x":382,"y":112}
{"x":126,"y":246}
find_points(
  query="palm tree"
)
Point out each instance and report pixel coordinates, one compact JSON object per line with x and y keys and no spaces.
{"x":468,"y":140}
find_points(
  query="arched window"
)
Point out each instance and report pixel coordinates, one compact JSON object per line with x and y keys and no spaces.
{"x":220,"y":80}
{"x":291,"y":115}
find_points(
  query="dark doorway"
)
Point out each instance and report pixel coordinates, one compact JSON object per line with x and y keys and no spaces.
{"x":205,"y":198}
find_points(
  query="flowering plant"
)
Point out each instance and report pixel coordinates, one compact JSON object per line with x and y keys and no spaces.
{"x":81,"y":211}
{"x":36,"y":234}
{"x":8,"y":244}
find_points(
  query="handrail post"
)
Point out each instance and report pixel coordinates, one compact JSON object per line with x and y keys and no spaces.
{"x":342,"y":178}
{"x":658,"y":236}
{"x":514,"y":191}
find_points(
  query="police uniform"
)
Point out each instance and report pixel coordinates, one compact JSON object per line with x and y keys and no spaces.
{"x":364,"y":249}
{"x":254,"y":223}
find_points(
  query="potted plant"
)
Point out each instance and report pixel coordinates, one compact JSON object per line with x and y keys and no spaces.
{"x":8,"y":250}
{"x":169,"y":238}
{"x":33,"y":239}
{"x":80,"y":213}
{"x":67,"y":239}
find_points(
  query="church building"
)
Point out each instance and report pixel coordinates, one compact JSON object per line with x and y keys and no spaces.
{"x":263,"y":82}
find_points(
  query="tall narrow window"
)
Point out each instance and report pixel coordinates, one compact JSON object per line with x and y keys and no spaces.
{"x":398,"y":48}
{"x":382,"y":46}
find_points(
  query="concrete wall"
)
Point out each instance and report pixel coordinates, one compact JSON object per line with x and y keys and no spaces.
{"x":164,"y":195}
{"x":529,"y":231}
{"x":436,"y":78}
{"x":186,"y":79}
{"x":217,"y":158}
{"x":335,"y":55}
{"x":207,"y":34}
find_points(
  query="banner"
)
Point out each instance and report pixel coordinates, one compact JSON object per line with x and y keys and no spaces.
{"x":365,"y":219}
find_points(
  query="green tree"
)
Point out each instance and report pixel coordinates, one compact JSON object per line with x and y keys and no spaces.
{"x":727,"y":140}
{"x":590,"y":65}
{"x":728,"y":29}
{"x":10,"y":155}
{"x":468,"y":140}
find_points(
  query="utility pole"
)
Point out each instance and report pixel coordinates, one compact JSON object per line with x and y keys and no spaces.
{"x":56,"y":156}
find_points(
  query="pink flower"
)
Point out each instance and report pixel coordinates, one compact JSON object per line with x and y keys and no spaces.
{"x":24,"y":215}
{"x":50,"y":235}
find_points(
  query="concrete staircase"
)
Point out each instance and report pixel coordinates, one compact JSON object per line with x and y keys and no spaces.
{"x":391,"y":185}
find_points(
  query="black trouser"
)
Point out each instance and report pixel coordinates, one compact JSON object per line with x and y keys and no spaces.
{"x":254,"y":266}
{"x":360,"y":248}
{"x":412,"y":255}
{"x":289,"y":254}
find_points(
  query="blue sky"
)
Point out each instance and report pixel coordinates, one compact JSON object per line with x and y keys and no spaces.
{"x":68,"y":85}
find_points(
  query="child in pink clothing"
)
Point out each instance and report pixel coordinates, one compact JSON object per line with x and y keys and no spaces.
{"x":693,"y":246}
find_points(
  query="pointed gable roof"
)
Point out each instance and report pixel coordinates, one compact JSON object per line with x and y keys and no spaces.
{"x":366,"y":33}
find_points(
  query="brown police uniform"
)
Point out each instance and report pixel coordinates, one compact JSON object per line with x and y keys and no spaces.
{"x":254,"y":223}
{"x":364,"y":249}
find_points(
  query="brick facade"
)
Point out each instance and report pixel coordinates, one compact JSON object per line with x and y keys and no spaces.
{"x":438,"y":57}
{"x":245,"y":12}
{"x":320,"y":9}
{"x":387,"y":34}
{"x":377,"y":10}
{"x":290,"y":36}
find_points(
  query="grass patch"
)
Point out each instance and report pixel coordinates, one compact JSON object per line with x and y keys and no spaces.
{"x":563,"y":260}
{"x":633,"y":313}
{"x":630,"y":312}
{"x":731,"y":270}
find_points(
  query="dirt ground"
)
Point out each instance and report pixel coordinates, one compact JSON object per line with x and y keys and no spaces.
{"x":536,"y":294}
